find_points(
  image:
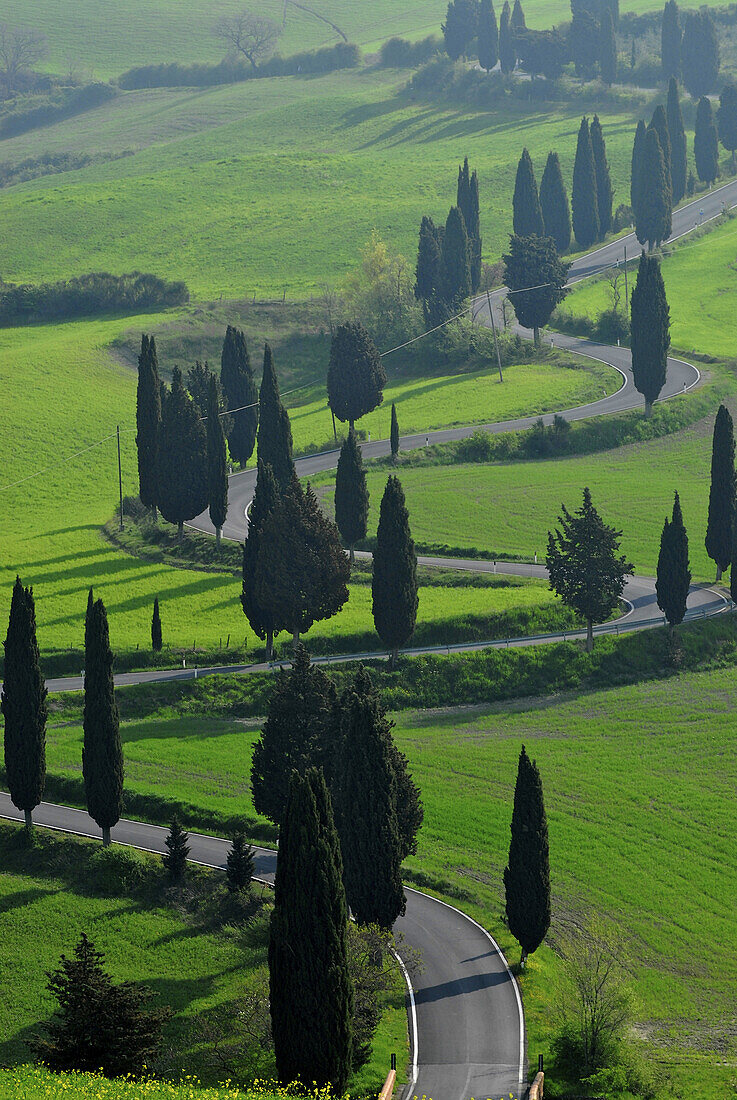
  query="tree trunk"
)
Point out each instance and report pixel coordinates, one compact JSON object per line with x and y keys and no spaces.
{"x":269,"y":644}
{"x":155,"y":514}
{"x":295,"y":638}
{"x":394,"y":657}
{"x":589,"y":635}
{"x":218,"y":532}
{"x":352,"y":556}
{"x":180,"y":532}
{"x":105,"y":837}
{"x":523,"y":959}
{"x":29,"y":819}
{"x":350,"y":424}
{"x":536,"y":335}
{"x":719,"y":573}
{"x":648,"y":409}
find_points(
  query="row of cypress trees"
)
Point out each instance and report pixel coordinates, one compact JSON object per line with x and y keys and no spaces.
{"x":659,"y":170}
{"x":474,"y":21}
{"x":691,"y":51}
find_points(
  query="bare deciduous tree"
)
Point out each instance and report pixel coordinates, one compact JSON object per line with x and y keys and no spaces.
{"x":20,"y":48}
{"x":252,"y":35}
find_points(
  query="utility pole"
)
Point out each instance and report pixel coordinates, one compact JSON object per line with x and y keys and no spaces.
{"x":120,"y":481}
{"x":626,"y":289}
{"x":493,"y":329}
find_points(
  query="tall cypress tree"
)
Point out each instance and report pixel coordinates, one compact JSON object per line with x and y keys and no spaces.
{"x":670,"y":41}
{"x":584,"y":199}
{"x":699,"y":53}
{"x":394,"y":583}
{"x":650,"y":331}
{"x":721,"y":493}
{"x":351,"y":494}
{"x":733,"y":564}
{"x":455,"y":260}
{"x":659,"y":122}
{"x":366,"y":808}
{"x":311,"y":996}
{"x":653,"y":220}
{"x":429,"y":273}
{"x":217,"y":467}
{"x":468,"y":204}
{"x":603,"y":179}
{"x":527,"y":874}
{"x":637,"y":180}
{"x":727,"y":118}
{"x":674,"y":576}
{"x":518,"y":17}
{"x":148,"y":421}
{"x":394,"y":434}
{"x":239,"y":387}
{"x":705,"y":143}
{"x":23,"y":704}
{"x":677,"y":134}
{"x":264,"y":499}
{"x":554,"y":204}
{"x":102,"y":751}
{"x":527,"y":213}
{"x":507,"y":49}
{"x":183,"y":482}
{"x":488,"y":36}
{"x":156,"y":635}
{"x":459,"y":28}
{"x":356,"y":375}
{"x":607,"y":49}
{"x":274,"y":428}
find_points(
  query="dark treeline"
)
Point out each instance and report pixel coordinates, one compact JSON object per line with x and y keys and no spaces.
{"x":98,"y":292}
{"x":343,"y":55}
{"x":400,"y":53}
{"x":70,"y":101}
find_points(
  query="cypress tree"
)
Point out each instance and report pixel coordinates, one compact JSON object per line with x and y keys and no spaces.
{"x":217,"y":467}
{"x":264,"y":499}
{"x":699,"y":53}
{"x":603,"y":179}
{"x":488,"y":36}
{"x":727,"y":119}
{"x":394,"y":434}
{"x":356,"y":375}
{"x":156,"y":637}
{"x":351,"y":494}
{"x":240,"y":864}
{"x":534,"y":262}
{"x":721,"y":493}
{"x":507,"y":49}
{"x":650,"y":331}
{"x":607,"y":49}
{"x":674,"y":576}
{"x":455,"y":261}
{"x":274,"y":428}
{"x":102,"y":752}
{"x":410,"y":811}
{"x":659,"y":122}
{"x":733,"y":565}
{"x":527,"y":874}
{"x":637,"y":180}
{"x":311,"y":995}
{"x":518,"y":17}
{"x":148,"y":421}
{"x":653,"y":219}
{"x":302,"y":572}
{"x":677,"y":134}
{"x":429,"y":273}
{"x":183,"y":482}
{"x":459,"y":28}
{"x":468,"y":204}
{"x":366,"y":808}
{"x":23,"y":704}
{"x":239,"y":387}
{"x":554,"y":204}
{"x":198,"y":386}
{"x":705,"y":143}
{"x":670,"y":41}
{"x":584,"y":199}
{"x":527,"y":213}
{"x":175,"y":859}
{"x":394,"y":583}
{"x":584,"y":41}
{"x":299,"y":733}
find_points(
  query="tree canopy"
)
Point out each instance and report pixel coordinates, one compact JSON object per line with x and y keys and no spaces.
{"x":356,"y":376}
{"x":650,"y":331}
{"x":533,"y":262}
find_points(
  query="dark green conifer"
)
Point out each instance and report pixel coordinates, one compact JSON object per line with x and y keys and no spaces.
{"x":653,"y":219}
{"x":488,"y":36}
{"x":527,"y":214}
{"x":705,"y":143}
{"x":175,"y":859}
{"x":584,"y":41}
{"x":239,"y":387}
{"x":299,"y":733}
{"x":455,"y":261}
{"x":156,"y":636}
{"x":727,"y":118}
{"x":733,"y":565}
{"x":394,"y":584}
{"x":23,"y":704}
{"x":659,"y":122}
{"x":274,"y":428}
{"x":527,"y":874}
{"x":670,"y":41}
{"x":311,"y":995}
{"x":217,"y":466}
{"x":429,"y":273}
{"x":534,"y":262}
{"x":351,"y":494}
{"x":678,"y":151}
{"x":554,"y":204}
{"x":148,"y":421}
{"x":637,"y":181}
{"x":459,"y":28}
{"x":102,"y":751}
{"x":674,"y":576}
{"x":603,"y":179}
{"x":468,"y":204}
{"x":699,"y":53}
{"x":183,"y":487}
{"x":507,"y":49}
{"x":607,"y":49}
{"x":394,"y":434}
{"x":366,"y":808}
{"x":356,"y":375}
{"x":650,"y":331}
{"x":240,"y":864}
{"x":721,"y":493}
{"x":264,"y":498}
{"x":584,"y":199}
{"x":518,"y":17}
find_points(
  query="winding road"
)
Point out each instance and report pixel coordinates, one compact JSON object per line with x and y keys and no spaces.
{"x":466,"y":1012}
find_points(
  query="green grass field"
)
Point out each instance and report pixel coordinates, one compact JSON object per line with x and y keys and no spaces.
{"x":37,"y":1083}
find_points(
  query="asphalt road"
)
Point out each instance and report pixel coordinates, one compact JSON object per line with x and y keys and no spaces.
{"x":467,"y":1005}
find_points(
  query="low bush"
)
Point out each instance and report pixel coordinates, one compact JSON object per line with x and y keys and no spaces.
{"x":49,"y":164}
{"x":117,"y":870}
{"x":60,"y":104}
{"x":88,"y":295}
{"x":400,"y":53}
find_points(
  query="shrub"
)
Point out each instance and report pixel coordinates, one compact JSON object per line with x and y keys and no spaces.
{"x":399,"y":53}
{"x":71,"y":101}
{"x":86,"y":295}
{"x":117,"y":869}
{"x":612,"y":325}
{"x":624,"y":217}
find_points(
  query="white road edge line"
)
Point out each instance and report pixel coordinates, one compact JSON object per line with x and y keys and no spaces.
{"x":410,"y":1086}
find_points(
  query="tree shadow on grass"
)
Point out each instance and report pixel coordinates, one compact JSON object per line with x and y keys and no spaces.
{"x":21,"y":898}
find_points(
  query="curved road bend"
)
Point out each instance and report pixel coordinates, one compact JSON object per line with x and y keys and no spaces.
{"x":469,"y":1014}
